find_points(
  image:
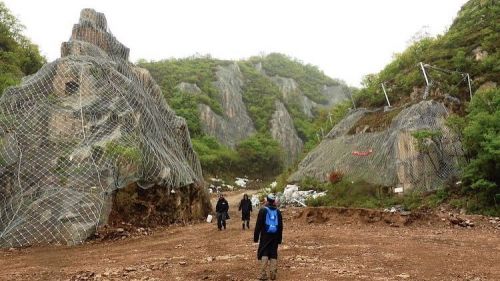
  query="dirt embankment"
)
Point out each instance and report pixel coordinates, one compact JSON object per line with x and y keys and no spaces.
{"x":319,"y":244}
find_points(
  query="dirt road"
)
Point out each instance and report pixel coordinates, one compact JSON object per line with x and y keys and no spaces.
{"x":318,"y":245}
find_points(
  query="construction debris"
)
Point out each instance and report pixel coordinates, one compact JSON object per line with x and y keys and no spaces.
{"x":255,"y":200}
{"x":241,"y":182}
{"x":295,"y":197}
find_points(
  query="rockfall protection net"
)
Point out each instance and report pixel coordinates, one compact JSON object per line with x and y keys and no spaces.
{"x":77,"y":130}
{"x":414,"y":151}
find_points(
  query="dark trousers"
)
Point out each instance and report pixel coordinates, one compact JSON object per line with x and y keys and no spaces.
{"x":221,"y":220}
{"x":245,"y":217}
{"x":268,"y":246}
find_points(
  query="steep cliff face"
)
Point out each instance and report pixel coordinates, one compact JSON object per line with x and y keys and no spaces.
{"x":288,"y":87}
{"x":235,"y":125}
{"x":391,"y":156}
{"x":189,"y":88}
{"x":283,"y":130}
{"x":291,"y":93}
{"x":81,"y":129}
{"x":335,"y":94}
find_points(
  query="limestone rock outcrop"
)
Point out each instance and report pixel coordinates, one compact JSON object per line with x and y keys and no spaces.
{"x":232,"y":93}
{"x":81,"y":129}
{"x":283,"y":130}
{"x":235,"y":125}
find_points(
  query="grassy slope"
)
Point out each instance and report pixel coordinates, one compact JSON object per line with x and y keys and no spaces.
{"x":477,"y":25}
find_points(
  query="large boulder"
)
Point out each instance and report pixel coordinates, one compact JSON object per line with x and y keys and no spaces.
{"x":410,"y":148}
{"x":80,"y":129}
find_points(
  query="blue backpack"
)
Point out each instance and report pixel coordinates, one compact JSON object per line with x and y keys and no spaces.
{"x":271,"y":220}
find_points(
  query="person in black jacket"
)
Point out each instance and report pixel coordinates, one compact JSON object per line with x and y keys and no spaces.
{"x":245,"y":208}
{"x":268,"y":244}
{"x":221,"y":209}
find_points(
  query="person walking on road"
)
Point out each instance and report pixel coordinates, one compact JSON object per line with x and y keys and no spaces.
{"x":245,"y":208}
{"x":269,"y":233}
{"x":221,"y":209}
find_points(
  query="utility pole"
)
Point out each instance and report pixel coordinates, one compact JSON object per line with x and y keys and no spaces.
{"x":385,"y":93}
{"x":428,"y":86}
{"x":470,"y":87}
{"x":425,"y":74}
{"x":352,"y":100}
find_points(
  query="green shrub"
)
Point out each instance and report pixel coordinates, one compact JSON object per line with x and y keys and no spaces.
{"x":215,"y":158}
{"x":18,"y":56}
{"x":352,"y":194}
{"x":122,"y":152}
{"x":473,"y":27}
{"x":481,"y":136}
{"x":260,"y":156}
{"x":259,"y":95}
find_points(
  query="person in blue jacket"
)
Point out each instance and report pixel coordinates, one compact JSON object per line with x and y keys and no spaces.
{"x":269,"y":233}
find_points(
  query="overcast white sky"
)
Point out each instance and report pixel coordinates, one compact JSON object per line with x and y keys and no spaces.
{"x":347,"y":39}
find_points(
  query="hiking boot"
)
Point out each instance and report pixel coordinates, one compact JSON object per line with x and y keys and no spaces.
{"x":273,"y":263}
{"x":263,"y":268}
{"x":248,"y":224}
{"x":243,"y":225}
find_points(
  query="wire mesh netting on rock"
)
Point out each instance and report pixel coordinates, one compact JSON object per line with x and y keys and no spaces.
{"x":407,"y":148}
{"x":80,"y":128}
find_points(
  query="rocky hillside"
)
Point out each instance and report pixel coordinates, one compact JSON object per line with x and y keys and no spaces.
{"x":471,"y":45}
{"x":274,"y":96}
{"x":413,"y":144}
{"x":389,"y":155}
{"x":88,"y":140}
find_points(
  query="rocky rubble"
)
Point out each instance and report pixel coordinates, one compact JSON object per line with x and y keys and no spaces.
{"x":106,"y":232}
{"x":495,"y":222}
{"x":124,"y":273}
{"x":461,"y":222}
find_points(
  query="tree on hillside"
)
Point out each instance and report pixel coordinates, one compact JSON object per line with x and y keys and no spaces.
{"x":482,"y":142}
{"x":18,"y":56}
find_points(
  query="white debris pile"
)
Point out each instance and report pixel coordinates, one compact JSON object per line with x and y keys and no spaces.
{"x":218,"y":185}
{"x":255,"y":200}
{"x":241,"y":182}
{"x":295,"y":197}
{"x":394,"y":209}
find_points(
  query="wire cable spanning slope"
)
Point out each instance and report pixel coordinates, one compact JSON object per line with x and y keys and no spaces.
{"x":408,"y":148}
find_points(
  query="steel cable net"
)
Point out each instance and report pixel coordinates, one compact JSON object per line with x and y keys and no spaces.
{"x":80,"y":128}
{"x":415,"y":151}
